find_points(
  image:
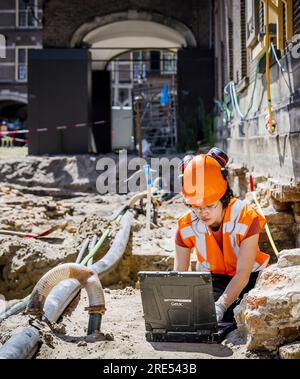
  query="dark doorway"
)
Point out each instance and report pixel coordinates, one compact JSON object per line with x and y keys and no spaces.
{"x":101,"y":105}
{"x":195,"y":76}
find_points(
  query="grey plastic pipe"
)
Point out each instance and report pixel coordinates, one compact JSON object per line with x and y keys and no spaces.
{"x":85,"y":276}
{"x":22,"y":345}
{"x":16,"y":308}
{"x":62,"y":294}
{"x":91,"y":247}
{"x":82,"y":250}
{"x":21,"y":306}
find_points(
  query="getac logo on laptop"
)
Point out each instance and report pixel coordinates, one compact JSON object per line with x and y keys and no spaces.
{"x":178,"y":302}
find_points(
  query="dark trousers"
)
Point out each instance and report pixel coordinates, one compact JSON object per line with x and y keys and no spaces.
{"x":220,"y":282}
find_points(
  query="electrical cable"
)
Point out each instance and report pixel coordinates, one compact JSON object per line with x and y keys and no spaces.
{"x":279,"y":64}
{"x":281,"y":68}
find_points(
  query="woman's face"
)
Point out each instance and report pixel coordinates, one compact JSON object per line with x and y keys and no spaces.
{"x":211,"y":214}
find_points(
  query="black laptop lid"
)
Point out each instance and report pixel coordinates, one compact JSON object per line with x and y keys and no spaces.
{"x":177,"y":301}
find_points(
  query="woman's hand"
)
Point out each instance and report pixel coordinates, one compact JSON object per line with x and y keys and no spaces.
{"x":220,"y":310}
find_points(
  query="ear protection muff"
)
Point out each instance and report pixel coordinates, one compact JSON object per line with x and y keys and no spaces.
{"x":224,"y":172}
{"x":221,"y":158}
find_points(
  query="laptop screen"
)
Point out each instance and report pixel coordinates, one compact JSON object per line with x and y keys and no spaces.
{"x":177,"y":301}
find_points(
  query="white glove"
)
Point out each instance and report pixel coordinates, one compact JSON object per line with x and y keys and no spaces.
{"x":220,"y":310}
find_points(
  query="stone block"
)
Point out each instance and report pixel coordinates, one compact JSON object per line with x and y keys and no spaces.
{"x":269,"y":315}
{"x":284,"y":192}
{"x":289,"y":258}
{"x":290,"y":351}
{"x":275,"y":217}
{"x":279,"y":206}
{"x":297,"y":218}
{"x":296,"y":207}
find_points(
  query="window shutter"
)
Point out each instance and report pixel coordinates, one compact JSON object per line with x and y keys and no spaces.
{"x":230,"y":42}
{"x":252,"y":22}
{"x":296,"y":16}
{"x":243,"y":40}
{"x":261,"y":17}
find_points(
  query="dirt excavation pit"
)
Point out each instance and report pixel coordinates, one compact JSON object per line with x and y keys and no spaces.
{"x":23,"y":261}
{"x":122,"y":334}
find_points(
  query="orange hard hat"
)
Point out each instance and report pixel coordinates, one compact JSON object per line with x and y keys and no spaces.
{"x":203,"y":182}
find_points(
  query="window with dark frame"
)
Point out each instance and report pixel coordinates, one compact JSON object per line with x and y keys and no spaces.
{"x":169,"y":64}
{"x":27,"y":13}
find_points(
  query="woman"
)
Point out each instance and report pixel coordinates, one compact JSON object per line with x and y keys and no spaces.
{"x":223,"y":231}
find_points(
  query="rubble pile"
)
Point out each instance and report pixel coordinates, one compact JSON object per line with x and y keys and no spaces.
{"x":269,"y":316}
{"x":280,"y":204}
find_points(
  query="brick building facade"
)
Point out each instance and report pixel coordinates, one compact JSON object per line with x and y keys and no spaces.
{"x":21,"y":25}
{"x":273,"y":158}
{"x":102,"y":26}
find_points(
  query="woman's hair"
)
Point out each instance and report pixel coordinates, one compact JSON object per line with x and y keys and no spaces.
{"x":225,"y":199}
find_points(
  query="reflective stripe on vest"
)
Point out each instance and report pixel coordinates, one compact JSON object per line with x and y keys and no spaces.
{"x":200,"y":231}
{"x":233,"y":227}
{"x":187,"y":232}
{"x":205,"y":266}
{"x":257,"y":267}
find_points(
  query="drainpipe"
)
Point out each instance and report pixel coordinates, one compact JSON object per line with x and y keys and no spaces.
{"x":210,"y":18}
{"x":270,"y":127}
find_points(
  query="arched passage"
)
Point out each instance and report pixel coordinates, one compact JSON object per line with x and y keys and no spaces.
{"x":110,"y":37}
{"x":112,"y":40}
{"x":132,"y":16}
{"x":13,"y":109}
{"x":13,"y":114}
{"x":68,"y":69}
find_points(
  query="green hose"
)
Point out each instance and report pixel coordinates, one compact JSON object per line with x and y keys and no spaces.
{"x":234,"y":99}
{"x":96,"y":248}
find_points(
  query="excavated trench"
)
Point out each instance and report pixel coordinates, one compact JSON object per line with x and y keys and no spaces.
{"x":23,"y":261}
{"x":27,"y":206}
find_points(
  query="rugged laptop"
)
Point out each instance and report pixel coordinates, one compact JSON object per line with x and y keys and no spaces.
{"x":179,"y":307}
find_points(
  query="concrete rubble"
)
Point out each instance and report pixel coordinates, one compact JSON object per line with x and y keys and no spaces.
{"x":280,"y":204}
{"x":269,"y":316}
{"x":290,"y":351}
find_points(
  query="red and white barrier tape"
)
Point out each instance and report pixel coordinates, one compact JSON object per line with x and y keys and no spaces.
{"x":50,"y":129}
{"x":19,"y":139}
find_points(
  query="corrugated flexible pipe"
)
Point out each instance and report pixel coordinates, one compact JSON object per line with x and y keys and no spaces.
{"x":85,"y":276}
{"x":21,"y":306}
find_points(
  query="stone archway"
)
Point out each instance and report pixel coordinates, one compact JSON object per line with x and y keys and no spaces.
{"x":111,"y":35}
{"x":13,"y":107}
{"x":133,"y":15}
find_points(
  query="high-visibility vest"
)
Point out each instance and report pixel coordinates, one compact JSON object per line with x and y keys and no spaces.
{"x":238,"y":218}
